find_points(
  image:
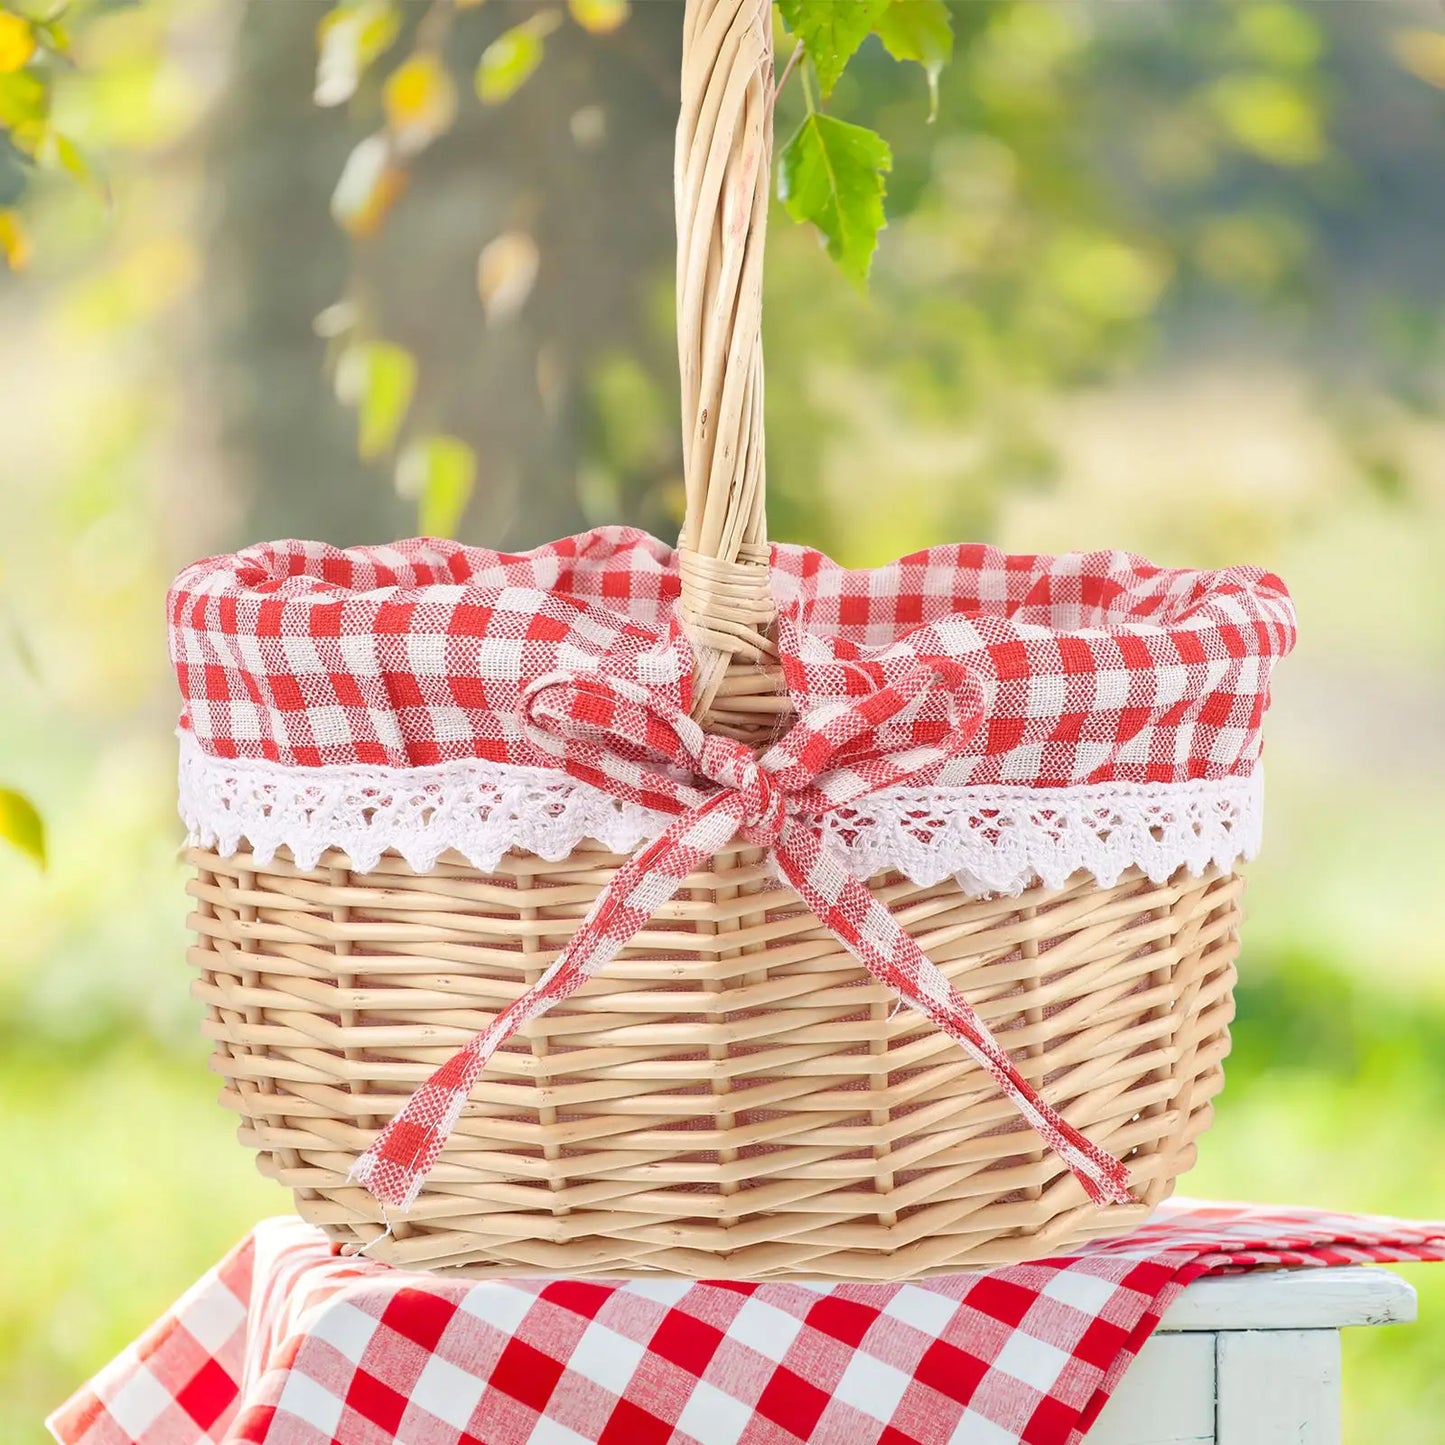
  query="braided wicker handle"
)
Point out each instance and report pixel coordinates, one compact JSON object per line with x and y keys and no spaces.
{"x":722,"y":179}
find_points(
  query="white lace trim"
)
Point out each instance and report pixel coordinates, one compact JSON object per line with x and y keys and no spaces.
{"x":990,"y":839}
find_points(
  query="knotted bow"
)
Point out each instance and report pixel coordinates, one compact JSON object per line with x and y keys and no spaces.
{"x":617,"y":735}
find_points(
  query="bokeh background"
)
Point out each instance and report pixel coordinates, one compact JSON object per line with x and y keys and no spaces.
{"x":1161,"y":275}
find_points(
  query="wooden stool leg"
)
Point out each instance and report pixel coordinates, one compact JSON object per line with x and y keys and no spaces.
{"x":1278,"y":1387}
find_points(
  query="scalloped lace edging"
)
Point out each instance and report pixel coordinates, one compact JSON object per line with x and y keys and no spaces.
{"x":990,"y":839}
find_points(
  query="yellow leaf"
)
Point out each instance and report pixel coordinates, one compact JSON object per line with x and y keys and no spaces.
{"x":17,"y":41}
{"x":1422,"y":53}
{"x":599,"y":16}
{"x":21,"y":825}
{"x":439,"y":472}
{"x":512,"y":57}
{"x":14,"y":242}
{"x":506,"y":272}
{"x":348,"y":39}
{"x":420,"y":100}
{"x":378,"y":379}
{"x":370,"y":184}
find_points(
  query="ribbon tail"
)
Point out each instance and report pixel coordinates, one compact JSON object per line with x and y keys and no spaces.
{"x":875,"y":938}
{"x":396,"y":1165}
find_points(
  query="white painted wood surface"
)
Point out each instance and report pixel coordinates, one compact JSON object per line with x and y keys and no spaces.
{"x":1293,"y":1299}
{"x":1251,"y":1359}
{"x":1278,"y":1387}
{"x":1167,"y":1398}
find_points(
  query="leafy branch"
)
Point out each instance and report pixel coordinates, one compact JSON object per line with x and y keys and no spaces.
{"x":31,"y":49}
{"x":832,"y":173}
{"x":34,"y":48}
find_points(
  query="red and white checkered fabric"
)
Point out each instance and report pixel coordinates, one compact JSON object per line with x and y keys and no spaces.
{"x":285,"y":1343}
{"x":1094,"y":667}
{"x":1040,"y":672}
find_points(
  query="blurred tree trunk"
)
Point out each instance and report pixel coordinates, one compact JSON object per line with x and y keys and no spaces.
{"x":594,"y":192}
{"x":276,"y":260}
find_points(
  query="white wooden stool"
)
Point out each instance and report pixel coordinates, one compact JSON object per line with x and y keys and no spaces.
{"x":1250,"y":1359}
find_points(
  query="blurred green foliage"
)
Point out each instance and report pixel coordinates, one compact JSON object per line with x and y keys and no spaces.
{"x":1162,"y":276}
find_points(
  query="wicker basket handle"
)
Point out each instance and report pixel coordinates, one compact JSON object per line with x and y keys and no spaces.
{"x":722,"y":179}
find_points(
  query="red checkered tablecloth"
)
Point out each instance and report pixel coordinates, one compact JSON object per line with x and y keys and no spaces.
{"x":287,"y":1343}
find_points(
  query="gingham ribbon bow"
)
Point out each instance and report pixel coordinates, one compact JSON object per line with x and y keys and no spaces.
{"x":617,"y":735}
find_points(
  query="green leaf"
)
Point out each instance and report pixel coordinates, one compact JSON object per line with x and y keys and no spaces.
{"x":60,"y":152}
{"x":832,"y":175}
{"x":1280,"y":35}
{"x":439,"y":472}
{"x":377,"y":378}
{"x":511,"y":58}
{"x":21,"y":825}
{"x":1271,"y":117}
{"x":831,"y":31}
{"x":55,"y":35}
{"x":23,"y":99}
{"x":919,"y":30}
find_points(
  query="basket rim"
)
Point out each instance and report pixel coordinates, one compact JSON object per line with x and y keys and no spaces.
{"x":628,"y":573}
{"x":1089,"y":668}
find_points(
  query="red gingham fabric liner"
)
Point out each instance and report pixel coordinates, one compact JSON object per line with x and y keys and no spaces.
{"x":286,"y":1343}
{"x":1094,"y":667}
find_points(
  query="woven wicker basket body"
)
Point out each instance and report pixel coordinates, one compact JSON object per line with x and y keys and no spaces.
{"x":733,"y":1095}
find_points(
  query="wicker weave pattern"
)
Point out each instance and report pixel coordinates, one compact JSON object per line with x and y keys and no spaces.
{"x":704,"y":1107}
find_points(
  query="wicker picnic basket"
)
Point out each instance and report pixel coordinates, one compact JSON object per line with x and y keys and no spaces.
{"x":732,"y":1095}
